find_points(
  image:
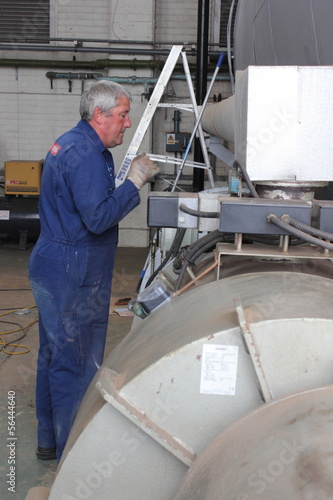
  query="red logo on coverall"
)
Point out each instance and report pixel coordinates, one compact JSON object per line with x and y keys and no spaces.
{"x":54,"y":149}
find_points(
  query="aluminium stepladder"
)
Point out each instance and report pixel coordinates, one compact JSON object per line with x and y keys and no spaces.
{"x":153,"y":104}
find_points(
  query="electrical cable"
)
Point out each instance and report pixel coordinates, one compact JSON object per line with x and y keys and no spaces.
{"x":13,"y":343}
{"x":198,"y":213}
{"x":246,"y":178}
{"x":306,"y":228}
{"x":194,"y":251}
{"x":208,"y":246}
{"x":174,"y":249}
{"x":17,"y":309}
{"x":19,"y":329}
{"x":266,"y":239}
{"x":273,"y":219}
{"x":185,"y":255}
{"x":229,"y":32}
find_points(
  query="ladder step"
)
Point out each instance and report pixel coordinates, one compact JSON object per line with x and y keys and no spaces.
{"x":185,"y":107}
{"x":173,"y":160}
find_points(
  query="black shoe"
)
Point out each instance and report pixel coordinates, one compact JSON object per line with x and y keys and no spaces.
{"x":46,"y":453}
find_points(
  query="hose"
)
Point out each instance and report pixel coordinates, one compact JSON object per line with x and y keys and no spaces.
{"x":247,"y":179}
{"x":174,"y":249}
{"x":183,"y":256}
{"x":306,"y":228}
{"x":269,"y":239}
{"x":198,"y":213}
{"x":194,"y":251}
{"x":273,"y":219}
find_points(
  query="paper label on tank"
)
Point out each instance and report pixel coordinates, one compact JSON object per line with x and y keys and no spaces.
{"x":4,"y":214}
{"x":219,"y":369}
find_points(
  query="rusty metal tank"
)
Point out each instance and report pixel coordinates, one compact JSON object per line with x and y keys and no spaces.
{"x":185,"y":374}
{"x":281,"y":450}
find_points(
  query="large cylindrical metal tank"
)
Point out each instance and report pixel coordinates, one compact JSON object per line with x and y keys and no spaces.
{"x":283,"y":450}
{"x":153,"y":406}
{"x":274,"y":33}
{"x":19,"y":214}
{"x":283,"y":32}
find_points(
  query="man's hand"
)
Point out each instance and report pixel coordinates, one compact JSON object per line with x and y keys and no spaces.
{"x":142,"y":169}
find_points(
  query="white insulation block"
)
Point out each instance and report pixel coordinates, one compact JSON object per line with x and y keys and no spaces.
{"x":284,"y":122}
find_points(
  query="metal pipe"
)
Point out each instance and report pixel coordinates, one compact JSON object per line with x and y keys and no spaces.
{"x":273,"y":219}
{"x":105,"y":50}
{"x":176,"y":121}
{"x":98,"y":64}
{"x":78,"y":48}
{"x":306,"y":228}
{"x":143,"y":79}
{"x":110,"y":41}
{"x":201,"y":78}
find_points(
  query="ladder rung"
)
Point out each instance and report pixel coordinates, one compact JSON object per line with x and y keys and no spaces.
{"x":186,"y":107}
{"x":173,"y":160}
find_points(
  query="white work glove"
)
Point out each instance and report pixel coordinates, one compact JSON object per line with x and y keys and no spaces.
{"x":142,"y":169}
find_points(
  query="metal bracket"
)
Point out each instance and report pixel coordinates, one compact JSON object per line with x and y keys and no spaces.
{"x":253,"y":350}
{"x":108,"y":386}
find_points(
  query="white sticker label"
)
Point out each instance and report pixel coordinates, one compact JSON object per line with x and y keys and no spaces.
{"x":219,"y":369}
{"x":4,"y":214}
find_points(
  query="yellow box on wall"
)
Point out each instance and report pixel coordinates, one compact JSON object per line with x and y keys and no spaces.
{"x":23,"y":177}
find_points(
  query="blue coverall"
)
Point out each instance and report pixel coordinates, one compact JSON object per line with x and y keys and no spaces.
{"x":70,"y":271}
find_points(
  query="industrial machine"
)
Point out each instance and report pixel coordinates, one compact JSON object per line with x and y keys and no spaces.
{"x":19,"y":218}
{"x":23,"y":177}
{"x":222,"y":389}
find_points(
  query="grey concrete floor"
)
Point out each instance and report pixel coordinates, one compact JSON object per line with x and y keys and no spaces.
{"x":18,"y":370}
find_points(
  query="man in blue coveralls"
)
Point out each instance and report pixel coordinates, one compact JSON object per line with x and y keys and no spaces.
{"x":71,"y":265}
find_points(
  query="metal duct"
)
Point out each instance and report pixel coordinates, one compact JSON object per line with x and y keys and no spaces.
{"x":283,"y":32}
{"x":219,"y":119}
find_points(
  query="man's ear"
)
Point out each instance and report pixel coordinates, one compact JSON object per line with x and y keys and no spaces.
{"x":98,"y":115}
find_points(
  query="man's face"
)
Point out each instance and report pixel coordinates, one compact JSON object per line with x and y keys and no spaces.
{"x":112,"y":128}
